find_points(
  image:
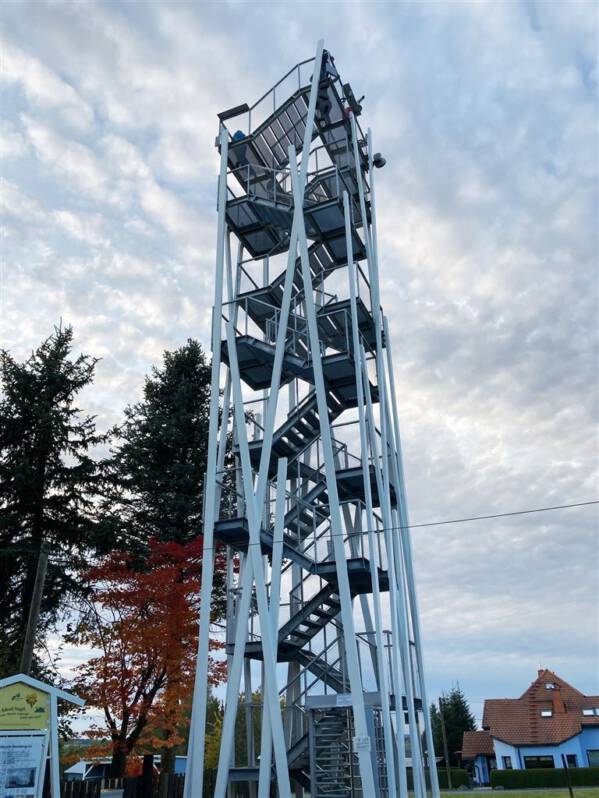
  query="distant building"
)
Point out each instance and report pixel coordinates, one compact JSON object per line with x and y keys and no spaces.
{"x":551,"y":725}
{"x":88,"y":770}
{"x":99,"y":769}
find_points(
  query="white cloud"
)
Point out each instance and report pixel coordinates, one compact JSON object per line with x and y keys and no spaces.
{"x":69,"y":159}
{"x":87,"y":228}
{"x":15,"y":203}
{"x":12,"y":142}
{"x":44,"y":89}
{"x":165,"y":208}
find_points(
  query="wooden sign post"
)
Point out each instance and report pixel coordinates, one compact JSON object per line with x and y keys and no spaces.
{"x":28,"y":727}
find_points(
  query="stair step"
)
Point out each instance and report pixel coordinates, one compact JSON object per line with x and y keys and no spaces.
{"x":312,"y":624}
{"x":324,"y":614}
{"x":301,"y":635}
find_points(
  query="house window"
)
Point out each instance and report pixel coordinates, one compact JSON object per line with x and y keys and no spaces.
{"x":539,"y":762}
{"x":588,"y":712}
{"x":593,"y":757}
{"x":571,"y":761}
{"x":507,"y":762}
{"x":546,"y":713}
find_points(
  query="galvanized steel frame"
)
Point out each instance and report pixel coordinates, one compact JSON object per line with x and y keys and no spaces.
{"x":381,"y":452}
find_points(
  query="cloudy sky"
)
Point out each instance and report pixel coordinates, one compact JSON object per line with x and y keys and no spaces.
{"x":487,"y":115}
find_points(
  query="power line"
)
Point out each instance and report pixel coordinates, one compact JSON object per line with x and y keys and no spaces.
{"x":460,"y":520}
{"x":499,"y":515}
{"x":467,"y":519}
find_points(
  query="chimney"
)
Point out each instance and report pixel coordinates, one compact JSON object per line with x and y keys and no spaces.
{"x":559,"y":707}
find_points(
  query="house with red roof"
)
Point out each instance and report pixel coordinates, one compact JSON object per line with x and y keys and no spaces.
{"x":551,"y":725}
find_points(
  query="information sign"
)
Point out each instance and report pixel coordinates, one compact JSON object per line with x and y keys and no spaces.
{"x":28,"y":728}
{"x":22,"y":764}
{"x":23,"y":707}
{"x":361,"y":743}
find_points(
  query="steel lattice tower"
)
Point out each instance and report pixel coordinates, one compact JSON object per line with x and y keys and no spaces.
{"x":322,"y":619}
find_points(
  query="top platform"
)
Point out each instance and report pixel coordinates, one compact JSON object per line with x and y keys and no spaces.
{"x":259,"y":196}
{"x":262,"y":133}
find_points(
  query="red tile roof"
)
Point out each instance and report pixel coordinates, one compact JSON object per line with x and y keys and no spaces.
{"x":519,"y":721}
{"x":475,"y":743}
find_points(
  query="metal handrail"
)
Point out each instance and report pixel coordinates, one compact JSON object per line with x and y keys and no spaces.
{"x":272,"y":90}
{"x":252,"y":175}
{"x":278,"y":83}
{"x":307,"y":666}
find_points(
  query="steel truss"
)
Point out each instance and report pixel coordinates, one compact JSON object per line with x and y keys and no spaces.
{"x":322,"y":617}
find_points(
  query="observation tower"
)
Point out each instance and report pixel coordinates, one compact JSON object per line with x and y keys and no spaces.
{"x":304,"y":486}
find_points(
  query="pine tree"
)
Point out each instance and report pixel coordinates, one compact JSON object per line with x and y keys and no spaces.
{"x":49,"y":484}
{"x":457,"y":717}
{"x":162,"y":453}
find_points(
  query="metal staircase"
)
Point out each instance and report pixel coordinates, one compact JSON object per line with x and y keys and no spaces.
{"x":335,"y":771}
{"x":312,"y":512}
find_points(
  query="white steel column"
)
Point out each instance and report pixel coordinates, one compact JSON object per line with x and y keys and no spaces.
{"x":376,"y":599}
{"x":254,"y":572}
{"x":255,"y":499}
{"x":264,"y":778}
{"x":194,"y":774}
{"x":394,"y":586}
{"x":407,"y":552}
{"x":362,"y":737}
{"x":402,"y":626}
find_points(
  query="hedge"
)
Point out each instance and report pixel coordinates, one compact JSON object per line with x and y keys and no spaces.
{"x":459,"y":777}
{"x":544,"y":777}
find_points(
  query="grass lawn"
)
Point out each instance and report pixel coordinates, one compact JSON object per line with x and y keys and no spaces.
{"x":559,"y":792}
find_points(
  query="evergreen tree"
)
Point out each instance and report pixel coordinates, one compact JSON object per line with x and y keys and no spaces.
{"x":49,"y":484}
{"x":458,"y":719}
{"x":163,"y":450}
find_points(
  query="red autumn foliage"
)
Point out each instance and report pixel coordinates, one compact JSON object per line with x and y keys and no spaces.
{"x":143,"y":619}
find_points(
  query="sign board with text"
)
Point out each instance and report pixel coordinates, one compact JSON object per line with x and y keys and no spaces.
{"x":23,"y":707}
{"x":28,"y":731}
{"x":22,"y":764}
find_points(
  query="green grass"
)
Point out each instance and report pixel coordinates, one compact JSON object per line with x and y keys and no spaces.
{"x":560,"y":792}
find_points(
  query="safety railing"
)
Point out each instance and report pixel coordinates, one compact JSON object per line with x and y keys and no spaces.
{"x":250,"y":306}
{"x":334,"y":648}
{"x":295,"y":723}
{"x":260,"y":182}
{"x":253,"y":116}
{"x":274,"y":185}
{"x":296,"y":339}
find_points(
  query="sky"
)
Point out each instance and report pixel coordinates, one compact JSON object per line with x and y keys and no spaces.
{"x":488,"y":243}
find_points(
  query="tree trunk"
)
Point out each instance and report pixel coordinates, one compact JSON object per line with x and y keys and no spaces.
{"x":119,"y":761}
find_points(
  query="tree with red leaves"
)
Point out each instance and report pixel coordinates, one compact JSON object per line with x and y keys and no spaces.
{"x":142,"y":617}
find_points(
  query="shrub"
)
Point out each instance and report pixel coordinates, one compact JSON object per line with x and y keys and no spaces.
{"x":544,"y":777}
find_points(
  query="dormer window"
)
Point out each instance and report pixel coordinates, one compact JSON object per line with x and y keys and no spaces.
{"x":546,"y":713}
